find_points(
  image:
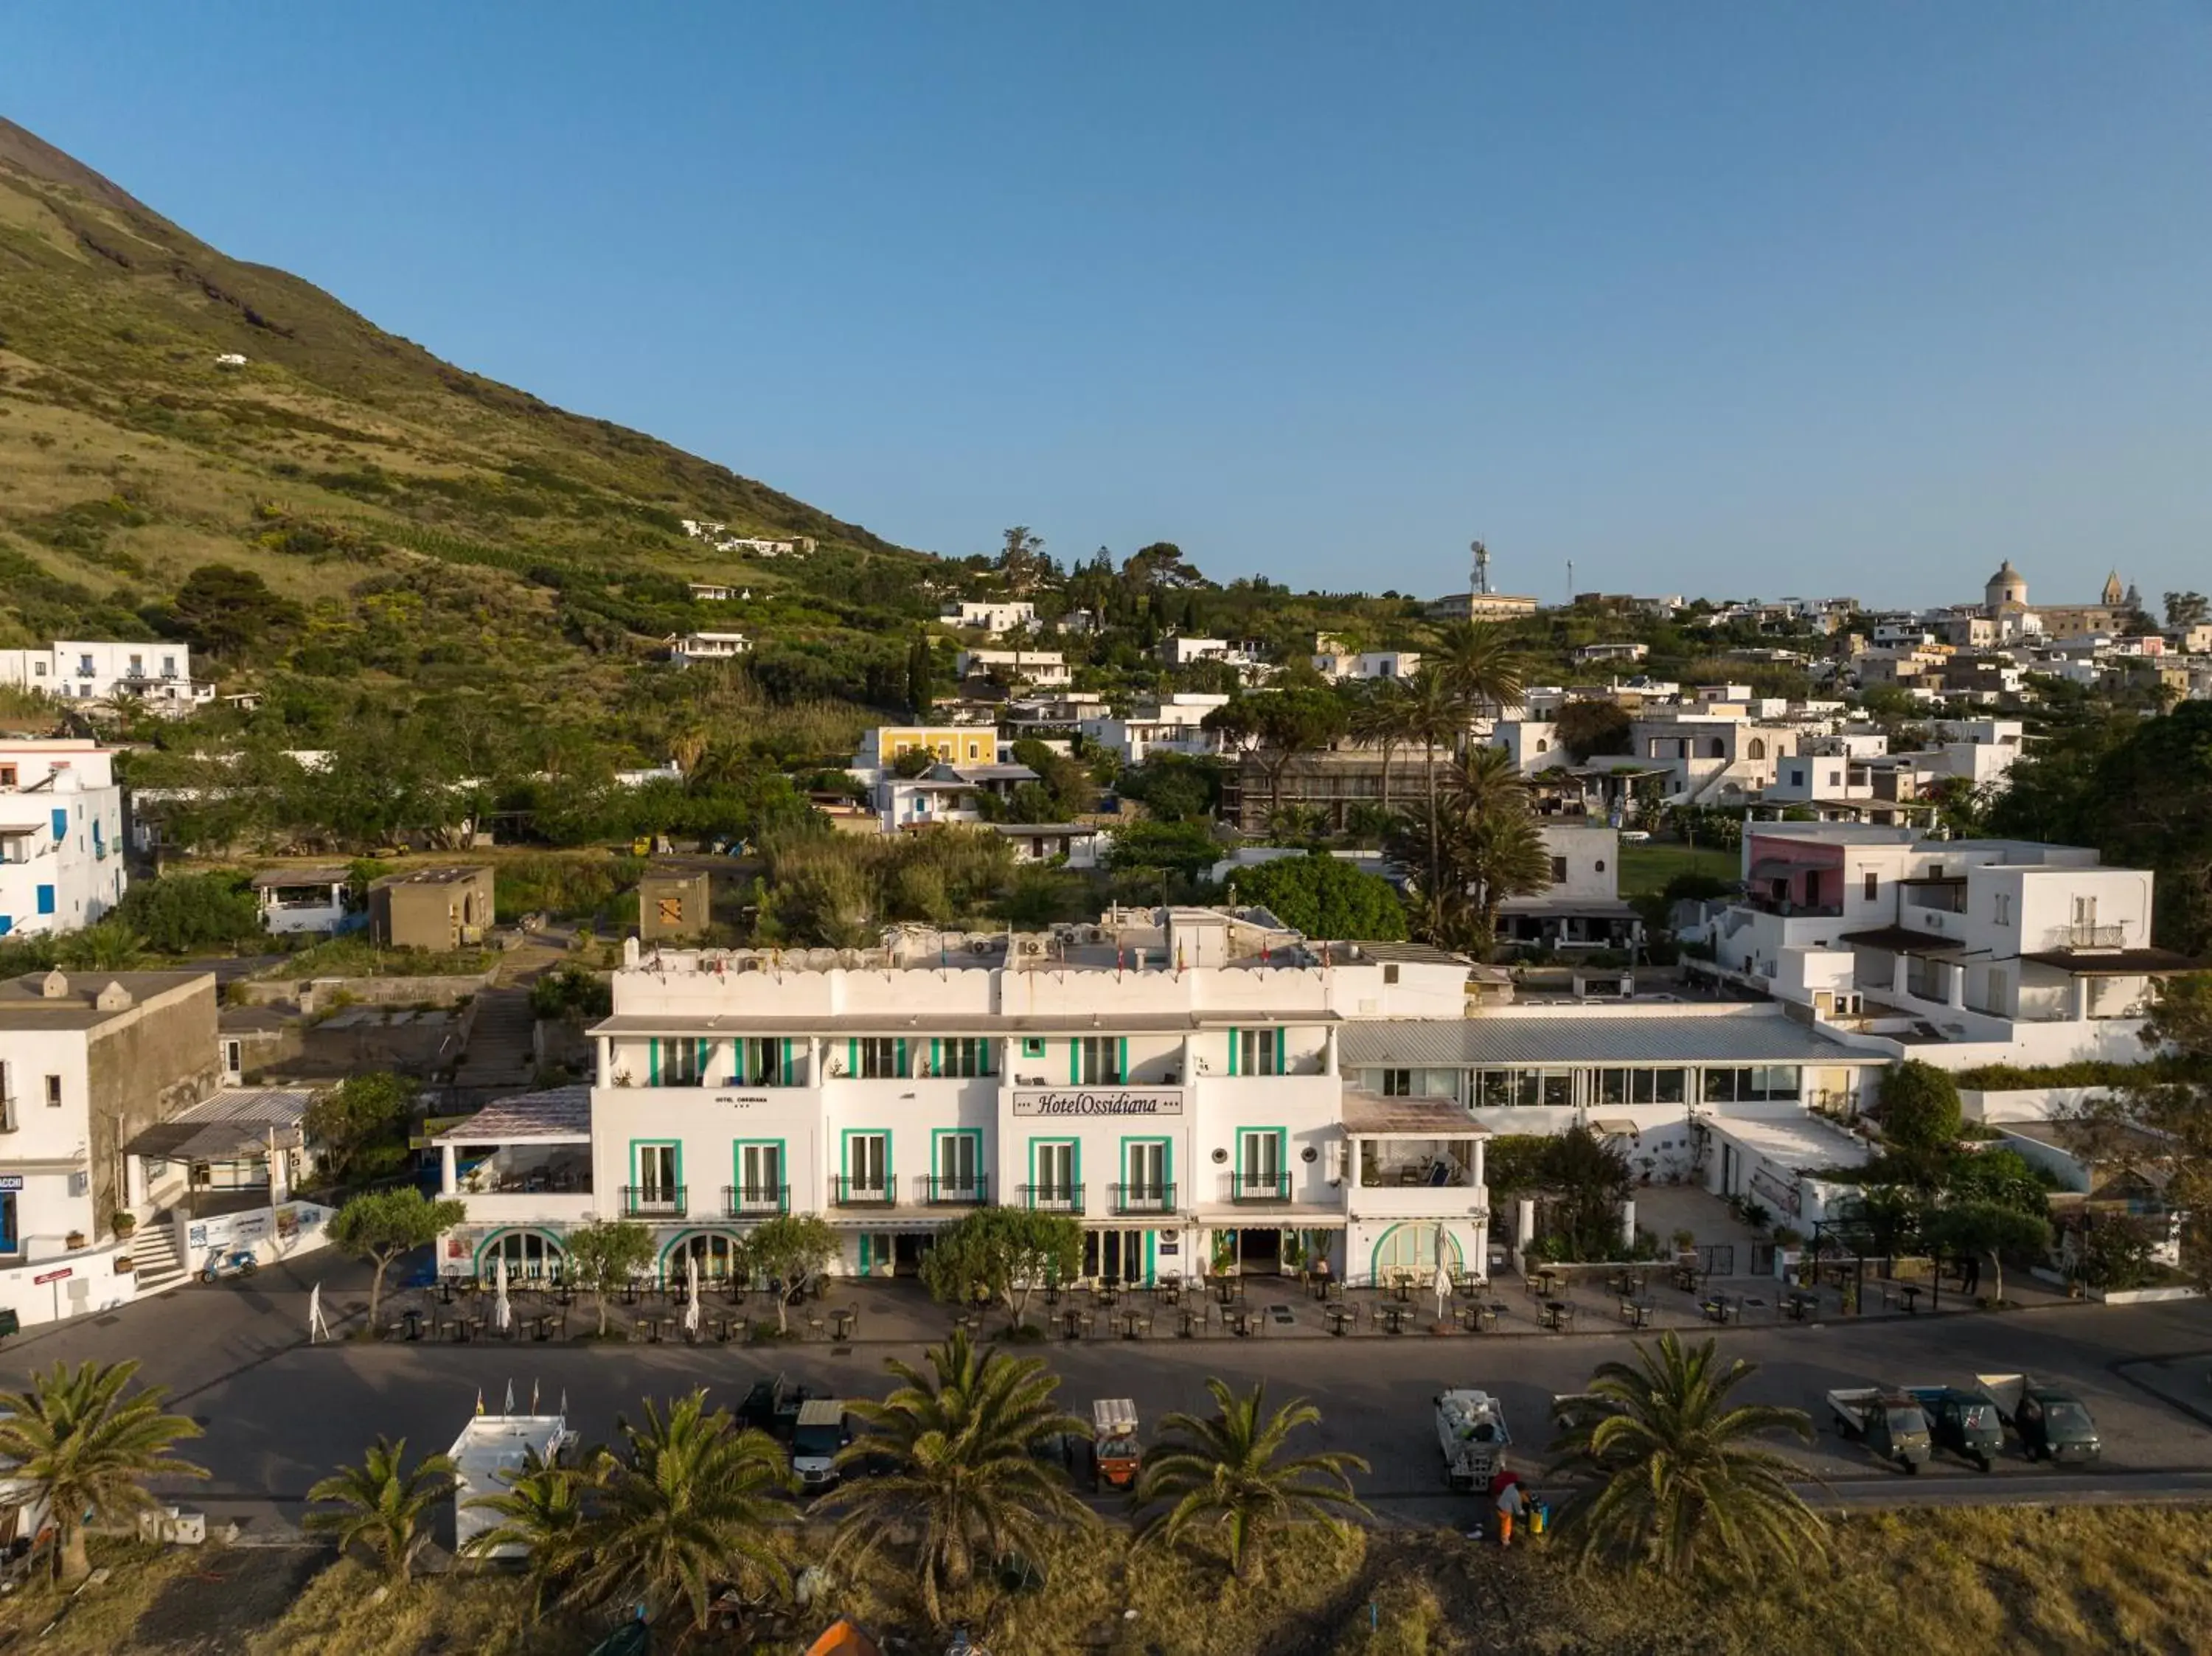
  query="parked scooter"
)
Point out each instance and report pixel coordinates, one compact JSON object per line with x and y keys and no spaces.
{"x":238,"y":1262}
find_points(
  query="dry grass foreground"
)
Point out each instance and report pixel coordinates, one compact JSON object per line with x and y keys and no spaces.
{"x":1952,"y":1583}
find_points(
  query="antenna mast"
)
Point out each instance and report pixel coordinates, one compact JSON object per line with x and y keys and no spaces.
{"x":1481,"y":568}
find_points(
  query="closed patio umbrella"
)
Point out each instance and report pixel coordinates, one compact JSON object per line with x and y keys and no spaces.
{"x":692,"y":1294}
{"x":502,"y":1313}
{"x":1443,"y":1291}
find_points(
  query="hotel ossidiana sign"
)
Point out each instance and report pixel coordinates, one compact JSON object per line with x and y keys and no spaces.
{"x":1074,"y":1103}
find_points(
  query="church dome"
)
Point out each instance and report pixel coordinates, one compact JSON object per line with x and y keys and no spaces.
{"x":2005,"y":576}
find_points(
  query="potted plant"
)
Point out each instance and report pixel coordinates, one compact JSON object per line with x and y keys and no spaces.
{"x":75,"y":1239}
{"x":1685,"y":1240}
{"x":123,"y":1224}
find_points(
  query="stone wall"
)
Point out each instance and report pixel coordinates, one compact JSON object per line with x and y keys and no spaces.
{"x":144,"y":1068}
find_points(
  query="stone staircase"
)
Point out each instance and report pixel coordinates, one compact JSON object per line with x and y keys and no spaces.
{"x":154,"y":1258}
{"x":500,"y":1055}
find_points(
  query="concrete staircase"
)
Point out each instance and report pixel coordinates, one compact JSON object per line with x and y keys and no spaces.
{"x":154,"y":1258}
{"x":500,"y":1055}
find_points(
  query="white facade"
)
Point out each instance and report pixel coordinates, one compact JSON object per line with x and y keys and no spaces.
{"x":1187,"y":1116}
{"x":61,"y":835}
{"x":156,"y":676}
{"x":1046,"y":667}
{"x":1174,"y":723}
{"x":993,"y":616}
{"x":1977,"y":951}
{"x":1334,"y":660}
{"x":1197,"y":1087}
{"x":692,"y":647}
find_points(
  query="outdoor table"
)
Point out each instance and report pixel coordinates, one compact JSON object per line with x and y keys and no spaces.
{"x":1402,"y":1289}
{"x":1170,"y":1292}
{"x":465,"y":1329}
{"x":1135,"y":1324}
{"x":1558,"y":1316}
{"x":1193,"y":1316}
{"x":1226,"y":1290}
{"x":564,"y":1294}
{"x":1799,"y":1305}
{"x":541,"y":1325}
{"x":1718,"y":1309}
{"x":1910,"y":1293}
{"x":1051,"y":1294}
{"x":1393,"y":1318}
{"x":1466,"y":1285}
{"x":843,"y":1321}
{"x":1339,"y":1318}
{"x":1636,"y":1313}
{"x":1335,"y":1294}
{"x":1074,"y":1317}
{"x":629,"y":1293}
{"x":445,"y":1291}
{"x":657,"y":1324}
{"x":1685,"y":1278}
{"x":1108,"y":1297}
{"x":1246,"y":1319}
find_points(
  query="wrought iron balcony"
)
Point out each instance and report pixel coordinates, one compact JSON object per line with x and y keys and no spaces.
{"x":1155,"y":1198}
{"x":1260,"y":1187}
{"x":846,"y":1191}
{"x":655,"y":1201}
{"x":940,"y":1193}
{"x":756,"y":1201}
{"x":1053,"y":1198}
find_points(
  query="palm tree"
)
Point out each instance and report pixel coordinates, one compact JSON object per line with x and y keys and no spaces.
{"x":542,"y":1508}
{"x":84,"y":1447}
{"x":695,"y":1499}
{"x":1379,"y":719}
{"x":382,"y":1505}
{"x":1478,"y":667}
{"x":1230,"y":1469}
{"x":1677,"y":1486}
{"x":957,"y":1444}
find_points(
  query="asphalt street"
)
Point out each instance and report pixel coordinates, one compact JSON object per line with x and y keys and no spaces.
{"x":278,"y":1414}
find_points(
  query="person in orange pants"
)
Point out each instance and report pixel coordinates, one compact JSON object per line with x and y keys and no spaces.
{"x":1511,"y":1503}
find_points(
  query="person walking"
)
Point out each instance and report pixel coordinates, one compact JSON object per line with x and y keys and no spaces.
{"x":1511,"y":1503}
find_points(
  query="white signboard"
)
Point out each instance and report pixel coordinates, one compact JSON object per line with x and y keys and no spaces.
{"x":1070,"y":1103}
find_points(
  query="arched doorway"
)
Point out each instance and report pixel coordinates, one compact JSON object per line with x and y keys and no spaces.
{"x":531,"y":1255}
{"x":1416,"y":1248}
{"x":718,"y":1252}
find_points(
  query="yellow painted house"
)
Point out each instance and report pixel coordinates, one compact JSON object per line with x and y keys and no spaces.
{"x":964,"y":744}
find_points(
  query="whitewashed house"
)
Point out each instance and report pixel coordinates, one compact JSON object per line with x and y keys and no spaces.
{"x":61,"y":835}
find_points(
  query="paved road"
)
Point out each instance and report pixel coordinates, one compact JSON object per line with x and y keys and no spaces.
{"x":279,"y":1414}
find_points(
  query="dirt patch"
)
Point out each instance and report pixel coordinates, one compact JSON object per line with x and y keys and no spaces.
{"x":231,"y":1593}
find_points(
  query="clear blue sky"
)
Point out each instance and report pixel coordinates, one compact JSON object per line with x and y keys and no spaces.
{"x":1728,"y":299}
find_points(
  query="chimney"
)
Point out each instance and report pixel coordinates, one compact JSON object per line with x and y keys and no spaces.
{"x":54,"y":986}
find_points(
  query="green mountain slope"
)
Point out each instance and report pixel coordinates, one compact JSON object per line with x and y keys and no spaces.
{"x":438,"y":529}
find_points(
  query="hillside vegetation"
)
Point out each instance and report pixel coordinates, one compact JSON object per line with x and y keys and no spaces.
{"x":438,"y":532}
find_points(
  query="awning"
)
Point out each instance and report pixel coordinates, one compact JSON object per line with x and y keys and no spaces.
{"x":1902,"y":940}
{"x":1615,"y":1128}
{"x":1371,"y":1116}
{"x":2117,"y":963}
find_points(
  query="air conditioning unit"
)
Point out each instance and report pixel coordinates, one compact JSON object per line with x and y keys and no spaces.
{"x":1030,"y":949}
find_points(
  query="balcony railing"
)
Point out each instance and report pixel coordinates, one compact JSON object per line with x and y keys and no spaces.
{"x":752,"y":1201}
{"x":846,"y":1191}
{"x":1142,"y":1198}
{"x":939,"y":1193}
{"x":1786,"y":909}
{"x":1260,"y":1187}
{"x":655,"y":1201}
{"x":2084,"y":935}
{"x":1055,"y":1198}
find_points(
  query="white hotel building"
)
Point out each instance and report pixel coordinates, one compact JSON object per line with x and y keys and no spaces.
{"x":1196,"y":1086}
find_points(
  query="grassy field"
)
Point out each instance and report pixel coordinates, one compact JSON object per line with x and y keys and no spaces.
{"x":1646,"y":865}
{"x":1954,"y":1583}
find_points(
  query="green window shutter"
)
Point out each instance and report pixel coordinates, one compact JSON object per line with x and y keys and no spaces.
{"x":1123,"y":1078}
{"x":852,"y":1055}
{"x":1235,"y":1040}
{"x":1075,"y":1062}
{"x":899,"y":1057}
{"x":785,"y":1079}
{"x":1281,"y":1043}
{"x":652,"y":1061}
{"x":936,"y":1056}
{"x":704,"y":1059}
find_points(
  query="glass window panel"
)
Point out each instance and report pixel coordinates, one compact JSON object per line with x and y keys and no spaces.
{"x":1670,"y":1088}
{"x":1558,"y":1088}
